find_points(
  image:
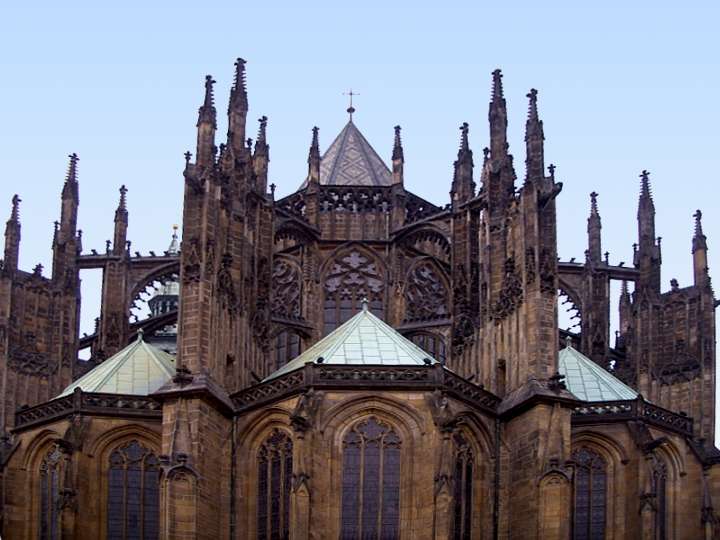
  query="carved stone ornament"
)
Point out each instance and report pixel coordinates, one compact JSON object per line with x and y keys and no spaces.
{"x":530,"y":266}
{"x":285,"y":290}
{"x":305,"y":412}
{"x":547,"y":272}
{"x":191,"y":264}
{"x":26,"y":358}
{"x":442,"y":413}
{"x":511,"y":294}
{"x":226,"y":287}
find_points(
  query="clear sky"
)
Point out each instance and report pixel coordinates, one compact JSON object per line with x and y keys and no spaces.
{"x":623,"y":86}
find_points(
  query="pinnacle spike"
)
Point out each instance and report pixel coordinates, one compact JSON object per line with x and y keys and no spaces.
{"x":397,"y":146}
{"x":645,"y":184}
{"x":532,"y":107}
{"x":497,"y":90}
{"x":122,"y":205}
{"x":698,"y":223}
{"x":207,"y":112}
{"x":238,"y":94}
{"x":593,"y":204}
{"x":72,"y":168}
{"x":15,"y":212}
{"x":464,"y":143}
{"x":262,"y":132}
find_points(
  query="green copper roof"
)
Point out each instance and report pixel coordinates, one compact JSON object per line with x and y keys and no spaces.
{"x":138,"y":369}
{"x":588,"y":381}
{"x":363,"y":340}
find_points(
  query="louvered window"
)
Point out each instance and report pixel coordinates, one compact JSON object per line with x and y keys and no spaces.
{"x":371,"y":482}
{"x":133,"y":502}
{"x":274,"y":466}
{"x":590,"y":506}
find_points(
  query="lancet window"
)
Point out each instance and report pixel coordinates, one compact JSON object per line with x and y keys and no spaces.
{"x":288,"y":345}
{"x":462,"y":489}
{"x":352,"y":278}
{"x":274,"y":467}
{"x":590,"y":498}
{"x":659,"y":477}
{"x":371,"y":482}
{"x":50,"y":482}
{"x":133,"y":501}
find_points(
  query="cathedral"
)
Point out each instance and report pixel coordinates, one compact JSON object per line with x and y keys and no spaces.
{"x":353,"y":361}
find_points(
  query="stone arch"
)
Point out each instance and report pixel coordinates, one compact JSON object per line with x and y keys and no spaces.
{"x":121,"y":434}
{"x":141,"y":282}
{"x":257,"y":427}
{"x":425,"y":233}
{"x":38,"y":445}
{"x":350,"y":246}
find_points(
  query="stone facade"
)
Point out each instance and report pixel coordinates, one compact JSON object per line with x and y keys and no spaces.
{"x":489,"y":443}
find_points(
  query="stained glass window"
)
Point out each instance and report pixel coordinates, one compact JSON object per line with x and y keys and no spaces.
{"x":590,"y":499}
{"x":370,"y":506}
{"x":50,"y":480}
{"x":352,"y":278}
{"x":462,"y":489}
{"x":660,"y":488}
{"x":133,"y":503}
{"x":274,"y":466}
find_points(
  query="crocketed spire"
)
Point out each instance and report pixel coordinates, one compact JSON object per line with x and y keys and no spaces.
{"x":534,"y":141}
{"x":207,"y":112}
{"x":699,"y":239}
{"x":397,"y":146}
{"x":70,"y":189}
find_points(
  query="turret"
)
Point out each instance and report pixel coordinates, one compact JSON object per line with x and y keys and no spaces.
{"x":237,"y":111}
{"x":261,"y":158}
{"x":398,"y":159}
{"x":534,"y":142}
{"x":594,"y":226}
{"x":463,"y":185}
{"x":121,"y":224}
{"x":699,"y":251}
{"x":12,"y":238}
{"x":206,"y":126}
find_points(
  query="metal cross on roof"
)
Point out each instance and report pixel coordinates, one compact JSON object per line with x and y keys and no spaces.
{"x":351,"y":109}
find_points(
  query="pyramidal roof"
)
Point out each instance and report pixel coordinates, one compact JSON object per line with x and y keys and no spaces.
{"x":138,"y":369}
{"x":363,"y":340}
{"x":351,"y":161}
{"x":588,"y":381}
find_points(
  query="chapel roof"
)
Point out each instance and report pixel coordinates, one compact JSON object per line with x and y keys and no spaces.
{"x":588,"y":381}
{"x":363,"y":340}
{"x":351,"y":161}
{"x":138,"y":369}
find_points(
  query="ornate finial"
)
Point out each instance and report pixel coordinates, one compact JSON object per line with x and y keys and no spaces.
{"x":56,"y":229}
{"x":486,"y":153}
{"x":140,"y":334}
{"x":207,"y":112}
{"x":593,"y":203}
{"x":698,"y":223}
{"x":272,"y":190}
{"x":464,"y":144}
{"x":72,"y":168}
{"x":624,"y":288}
{"x":674,"y":285}
{"x":15,"y":212}
{"x":645,"y":185}
{"x":568,"y":342}
{"x":350,"y":109}
{"x":397,"y":146}
{"x":37,"y":271}
{"x":188,"y":156}
{"x":262,"y":131}
{"x":607,"y":257}
{"x":497,"y":92}
{"x":365,"y":303}
{"x":532,"y":108}
{"x":174,"y":248}
{"x":551,"y":170}
{"x":699,"y":240}
{"x":209,"y":98}
{"x":123,"y":202}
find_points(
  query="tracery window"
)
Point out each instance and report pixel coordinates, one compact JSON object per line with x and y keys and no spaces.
{"x":590,"y":502}
{"x":287,"y":346}
{"x":462,"y":489}
{"x":352,"y":278}
{"x":286,"y":297}
{"x":133,"y":500}
{"x":371,"y":482}
{"x":430,"y":343}
{"x":659,"y":476}
{"x":274,"y":466}
{"x":50,"y":481}
{"x":426,"y":296}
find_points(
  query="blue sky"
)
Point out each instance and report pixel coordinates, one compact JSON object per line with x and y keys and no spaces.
{"x":622,"y":87}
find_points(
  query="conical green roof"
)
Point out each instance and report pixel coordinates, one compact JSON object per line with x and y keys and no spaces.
{"x":138,"y":369}
{"x":363,"y":340}
{"x":588,"y":381}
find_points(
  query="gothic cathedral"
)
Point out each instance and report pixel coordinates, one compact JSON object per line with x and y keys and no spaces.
{"x":352,"y":361}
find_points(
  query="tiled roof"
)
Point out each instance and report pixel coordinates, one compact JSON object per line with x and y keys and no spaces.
{"x":363,"y":340}
{"x":138,"y":369}
{"x":351,"y":161}
{"x":588,"y":381}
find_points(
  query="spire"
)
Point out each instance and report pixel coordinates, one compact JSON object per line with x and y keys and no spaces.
{"x":261,"y":157}
{"x":647,"y":256}
{"x":314,"y":158}
{"x":237,"y":110}
{"x":699,"y":251}
{"x":497,"y":116}
{"x":398,"y":159}
{"x":70,"y":201}
{"x":261,"y":141}
{"x":12,"y":237}
{"x":174,"y":247}
{"x":594,"y":227}
{"x":625,"y":308}
{"x":646,"y":211}
{"x":70,"y":189}
{"x":534,"y":138}
{"x":207,"y":113}
{"x":463,"y":186}
{"x":121,"y":223}
{"x":699,"y":239}
{"x":206,"y":126}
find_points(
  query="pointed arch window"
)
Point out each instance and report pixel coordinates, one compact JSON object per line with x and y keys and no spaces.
{"x":590,"y":497}
{"x":371,"y":482}
{"x":352,"y":278}
{"x":659,"y":477}
{"x":274,"y":466}
{"x":462,"y":488}
{"x":133,"y":499}
{"x":50,"y":482}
